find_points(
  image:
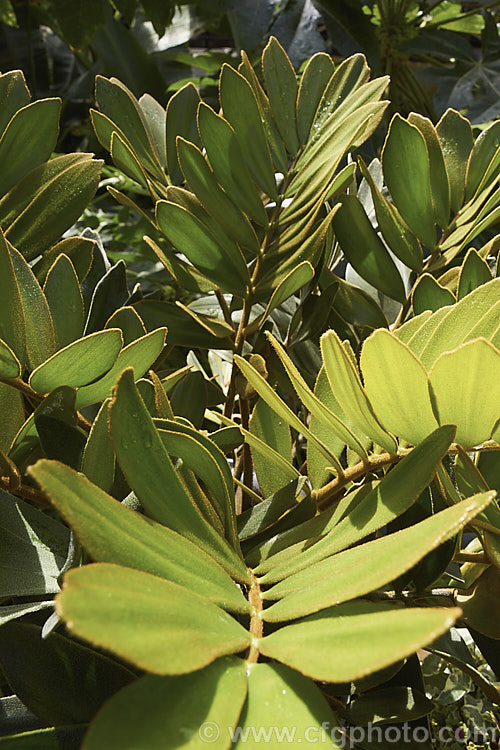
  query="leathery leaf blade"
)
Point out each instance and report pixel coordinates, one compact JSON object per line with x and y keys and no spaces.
{"x":315,"y":77}
{"x":364,"y":250}
{"x":367,"y":567}
{"x":281,"y":85}
{"x":405,"y":163}
{"x":157,"y":625}
{"x":203,"y":183}
{"x":79,"y":363}
{"x":389,"y":499}
{"x":242,"y":112}
{"x":223,"y":152}
{"x":151,"y":474}
{"x":455,"y":135}
{"x":345,"y":643}
{"x":40,"y":336}
{"x":347,"y":388}
{"x":10,"y":366}
{"x":274,"y":432}
{"x":12,"y":325}
{"x":466,"y":388}
{"x":98,"y":461}
{"x":112,"y":533}
{"x":62,"y":291}
{"x":282,"y":700}
{"x":180,"y":120}
{"x":176,"y":708}
{"x":397,"y":386}
{"x":140,"y":354}
{"x":440,"y":187}
{"x":212,"y":258}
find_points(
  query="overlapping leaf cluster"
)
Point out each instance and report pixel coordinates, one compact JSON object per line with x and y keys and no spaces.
{"x":256,"y":610}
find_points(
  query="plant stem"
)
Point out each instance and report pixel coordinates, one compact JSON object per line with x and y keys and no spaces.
{"x":31,"y":395}
{"x":472,"y":557}
{"x":24,"y":491}
{"x":256,"y":624}
{"x":325,"y":496}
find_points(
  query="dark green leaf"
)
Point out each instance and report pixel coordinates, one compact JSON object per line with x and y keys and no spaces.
{"x":28,"y":140}
{"x":282,"y":89}
{"x":455,"y":134}
{"x":181,"y":120}
{"x":364,"y":250}
{"x":83,"y":679}
{"x":315,"y":77}
{"x":62,"y":291}
{"x":404,"y":154}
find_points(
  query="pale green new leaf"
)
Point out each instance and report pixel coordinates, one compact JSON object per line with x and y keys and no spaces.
{"x":466,"y":390}
{"x":359,"y":570}
{"x":397,"y":387}
{"x":112,"y":533}
{"x":157,"y":625}
{"x":348,"y":642}
{"x":347,"y":388}
{"x":397,"y":492}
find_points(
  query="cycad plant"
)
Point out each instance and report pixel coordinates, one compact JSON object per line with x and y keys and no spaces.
{"x":209,"y":614}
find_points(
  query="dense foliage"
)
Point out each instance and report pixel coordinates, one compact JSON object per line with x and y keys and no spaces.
{"x":249,"y":470}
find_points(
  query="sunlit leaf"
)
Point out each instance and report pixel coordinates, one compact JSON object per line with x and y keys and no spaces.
{"x":155,"y":624}
{"x":346,"y":643}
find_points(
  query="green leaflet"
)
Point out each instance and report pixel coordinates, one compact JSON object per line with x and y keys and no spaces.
{"x":14,"y":94}
{"x":317,"y":73}
{"x":359,"y":570}
{"x":397,"y":387}
{"x":364,"y":250}
{"x":483,"y":156}
{"x":149,"y":472}
{"x":112,"y":533}
{"x":191,"y":237}
{"x":282,"y":89}
{"x":119,"y":104}
{"x":397,"y":492}
{"x":223,"y":152}
{"x":98,"y":461}
{"x":12,"y":415}
{"x":47,"y":201}
{"x":450,"y":326}
{"x":241,"y":110}
{"x":204,"y":184}
{"x":347,"y":388}
{"x":280,"y":699}
{"x":34,"y":548}
{"x":274,"y":431}
{"x":10,"y":366}
{"x":129,"y":323}
{"x":81,"y":362}
{"x":440,"y":186}
{"x":473,"y":273}
{"x":465,"y":384}
{"x":316,"y":407}
{"x":211,"y":697}
{"x":397,"y":234}
{"x":180,"y":121}
{"x":455,"y":134}
{"x":40,"y":336}
{"x":62,"y":291}
{"x":267,"y":393}
{"x":140,"y":355}
{"x":405,"y":163}
{"x":12,"y":324}
{"x":157,"y":625}
{"x":428,"y":294}
{"x":28,"y":140}
{"x":352,"y":640}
